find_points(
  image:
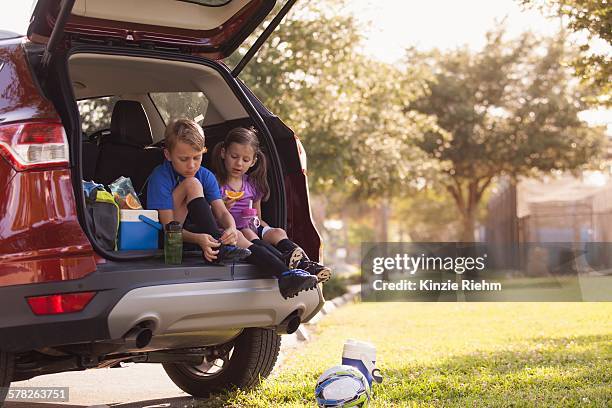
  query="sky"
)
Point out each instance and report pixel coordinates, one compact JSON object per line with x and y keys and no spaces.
{"x":444,"y":24}
{"x":395,"y":24}
{"x":392,"y":25}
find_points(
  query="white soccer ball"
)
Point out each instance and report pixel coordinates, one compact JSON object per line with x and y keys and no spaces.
{"x":342,"y":386}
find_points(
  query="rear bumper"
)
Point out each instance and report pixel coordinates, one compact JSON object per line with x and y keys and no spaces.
{"x":172,"y":301}
{"x":207,"y":307}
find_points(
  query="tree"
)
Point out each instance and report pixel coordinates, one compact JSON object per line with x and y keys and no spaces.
{"x":426,"y":215}
{"x":347,"y":109}
{"x":593,"y":17}
{"x":509,"y":109}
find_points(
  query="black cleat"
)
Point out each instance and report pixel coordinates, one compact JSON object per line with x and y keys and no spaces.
{"x":294,"y":281}
{"x":297,"y":259}
{"x":231,"y":254}
{"x":293,"y":258}
{"x":322,"y":272}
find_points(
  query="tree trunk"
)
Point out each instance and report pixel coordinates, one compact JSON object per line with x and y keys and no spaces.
{"x":468,"y":224}
{"x":468,"y":216}
{"x":467,"y":196}
{"x":384,"y":213}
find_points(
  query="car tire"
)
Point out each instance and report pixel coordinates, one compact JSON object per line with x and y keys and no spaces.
{"x":7,"y":365}
{"x":251,"y":359}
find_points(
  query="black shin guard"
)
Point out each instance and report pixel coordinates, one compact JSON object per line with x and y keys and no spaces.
{"x":286,"y":245}
{"x":261,"y":257}
{"x":269,"y":247}
{"x":201,"y":219}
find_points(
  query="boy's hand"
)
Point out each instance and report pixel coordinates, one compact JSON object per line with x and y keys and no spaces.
{"x":229,"y":237}
{"x":208,"y":245}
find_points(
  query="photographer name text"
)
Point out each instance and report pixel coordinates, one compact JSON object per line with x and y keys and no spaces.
{"x":431,"y":285}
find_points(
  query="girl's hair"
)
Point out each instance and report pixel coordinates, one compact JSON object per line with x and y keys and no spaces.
{"x":257,"y":174}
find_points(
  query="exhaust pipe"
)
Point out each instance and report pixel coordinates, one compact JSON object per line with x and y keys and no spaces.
{"x":289,"y":325}
{"x":138,"y":336}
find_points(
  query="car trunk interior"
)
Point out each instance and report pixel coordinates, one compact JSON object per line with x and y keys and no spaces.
{"x":133,"y":148}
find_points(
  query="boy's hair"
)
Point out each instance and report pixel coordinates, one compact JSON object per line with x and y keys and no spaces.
{"x":186,"y":131}
{"x":257,"y":174}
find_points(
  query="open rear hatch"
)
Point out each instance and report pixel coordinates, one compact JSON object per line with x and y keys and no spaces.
{"x":210,"y":28}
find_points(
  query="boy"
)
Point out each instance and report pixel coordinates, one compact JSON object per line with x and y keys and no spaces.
{"x":181,"y":190}
{"x":184,"y":191}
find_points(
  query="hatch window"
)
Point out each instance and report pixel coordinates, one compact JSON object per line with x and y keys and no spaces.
{"x":192,"y":105}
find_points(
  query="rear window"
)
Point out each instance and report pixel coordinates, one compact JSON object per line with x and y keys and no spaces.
{"x":96,"y":113}
{"x":192,"y":105}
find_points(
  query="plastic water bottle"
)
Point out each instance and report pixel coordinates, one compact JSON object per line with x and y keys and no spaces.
{"x":362,"y":356}
{"x":251,"y":217}
{"x":173,"y":243}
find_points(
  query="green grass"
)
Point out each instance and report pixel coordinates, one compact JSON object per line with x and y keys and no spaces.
{"x":458,"y":355}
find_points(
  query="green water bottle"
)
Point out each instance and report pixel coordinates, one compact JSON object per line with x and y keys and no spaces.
{"x":173,"y":243}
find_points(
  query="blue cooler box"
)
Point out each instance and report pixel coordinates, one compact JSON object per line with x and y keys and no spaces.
{"x":138,"y":229}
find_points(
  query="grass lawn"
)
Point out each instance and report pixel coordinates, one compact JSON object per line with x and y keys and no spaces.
{"x":458,"y":355}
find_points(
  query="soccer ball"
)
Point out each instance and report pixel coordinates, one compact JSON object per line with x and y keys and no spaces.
{"x":342,"y":386}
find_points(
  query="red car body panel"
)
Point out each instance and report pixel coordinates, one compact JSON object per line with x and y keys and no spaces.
{"x":20,"y":97}
{"x":40,"y":236}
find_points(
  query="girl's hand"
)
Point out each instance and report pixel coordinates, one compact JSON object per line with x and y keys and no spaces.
{"x":208,"y":245}
{"x":229,"y":202}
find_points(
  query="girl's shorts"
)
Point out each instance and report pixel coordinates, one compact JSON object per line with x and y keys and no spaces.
{"x":261,"y":231}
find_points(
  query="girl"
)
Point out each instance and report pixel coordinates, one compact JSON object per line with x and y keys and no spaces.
{"x":231,"y":160}
{"x":181,"y":189}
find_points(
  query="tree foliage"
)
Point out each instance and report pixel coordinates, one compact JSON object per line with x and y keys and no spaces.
{"x":347,"y":109}
{"x":593,"y":17}
{"x":426,"y":216}
{"x":96,"y":113}
{"x":511,"y":108}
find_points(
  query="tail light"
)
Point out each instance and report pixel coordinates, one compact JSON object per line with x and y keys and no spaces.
{"x":28,"y":145}
{"x":60,"y":304}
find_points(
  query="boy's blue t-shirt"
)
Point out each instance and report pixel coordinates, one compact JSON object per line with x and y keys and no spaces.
{"x":164,"y":179}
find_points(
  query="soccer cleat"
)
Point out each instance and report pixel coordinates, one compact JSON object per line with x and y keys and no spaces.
{"x":293,"y":258}
{"x":322,"y":272}
{"x":294,"y":281}
{"x":231,"y":254}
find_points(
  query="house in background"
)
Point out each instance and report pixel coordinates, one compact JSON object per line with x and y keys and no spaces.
{"x":561,"y":208}
{"x":555,"y":209}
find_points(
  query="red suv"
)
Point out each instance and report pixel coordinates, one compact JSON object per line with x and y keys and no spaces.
{"x":86,"y":96}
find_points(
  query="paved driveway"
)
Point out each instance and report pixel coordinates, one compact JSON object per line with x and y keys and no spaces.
{"x":134,"y":386}
{"x":138,"y":385}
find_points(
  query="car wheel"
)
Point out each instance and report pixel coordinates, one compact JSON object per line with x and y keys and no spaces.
{"x":251,"y":358}
{"x":7,"y":365}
